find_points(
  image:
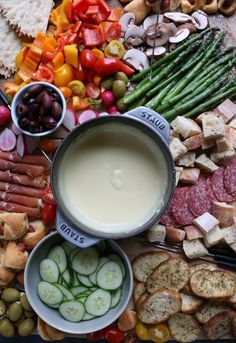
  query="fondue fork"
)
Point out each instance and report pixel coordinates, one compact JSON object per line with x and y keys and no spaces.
{"x":155,"y":36}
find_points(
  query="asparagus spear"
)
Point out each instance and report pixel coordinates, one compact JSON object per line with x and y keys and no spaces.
{"x":154,"y":102}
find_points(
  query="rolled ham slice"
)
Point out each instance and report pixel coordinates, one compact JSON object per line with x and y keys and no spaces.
{"x":30,"y":159}
{"x":13,"y":207}
{"x":22,"y":168}
{"x":25,"y":180}
{"x":18,"y":189}
{"x":19,"y":199}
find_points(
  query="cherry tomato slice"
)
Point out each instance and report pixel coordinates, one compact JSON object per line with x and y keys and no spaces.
{"x":87,"y":59}
{"x":159,"y":333}
{"x":92,"y":90}
{"x":44,"y":74}
{"x":113,"y":32}
{"x":48,"y":214}
{"x":47,"y":196}
{"x":114,"y":335}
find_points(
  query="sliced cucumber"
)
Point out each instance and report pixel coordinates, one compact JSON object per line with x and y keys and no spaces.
{"x":109,"y":276}
{"x":65,"y":292}
{"x":84,"y":280}
{"x":77,"y":290}
{"x":115,"y":297}
{"x":73,"y":253}
{"x":49,"y":270}
{"x":82,"y":300}
{"x":49,"y":294}
{"x":72,"y":311}
{"x":56,"y":306}
{"x":117,"y":259}
{"x":66,"y":276}
{"x":98,"y":302}
{"x":85,"y":262}
{"x":68,"y":247}
{"x":93,"y":276}
{"x":75,"y":279}
{"x":58,"y":255}
{"x":88,"y":316}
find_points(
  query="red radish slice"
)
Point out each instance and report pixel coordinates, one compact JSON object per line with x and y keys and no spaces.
{"x":103,"y":114}
{"x":31,"y":143}
{"x":16,"y":131}
{"x":70,"y":119}
{"x":20,"y":146}
{"x":113,"y":110}
{"x":87,"y":115}
{"x":7,"y":140}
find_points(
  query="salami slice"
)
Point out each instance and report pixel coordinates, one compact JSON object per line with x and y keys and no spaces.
{"x":198,"y":199}
{"x":179,"y":207}
{"x":209,"y":191}
{"x":230,"y":178}
{"x":218,"y":188}
{"x":167,"y":219}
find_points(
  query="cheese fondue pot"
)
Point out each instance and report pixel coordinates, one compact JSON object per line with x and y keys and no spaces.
{"x":113,"y":177}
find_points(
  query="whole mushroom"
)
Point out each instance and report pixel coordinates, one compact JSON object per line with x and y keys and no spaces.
{"x":151,"y":20}
{"x":157,"y":35}
{"x":137,"y":59}
{"x":127,"y":20}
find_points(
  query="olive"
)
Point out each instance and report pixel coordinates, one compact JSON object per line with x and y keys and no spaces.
{"x":121,"y":106}
{"x":46,"y":101}
{"x":3,"y":308}
{"x":31,"y":101}
{"x":16,"y":324}
{"x":21,"y":110}
{"x":49,"y":90}
{"x":56,"y":110}
{"x":121,"y":76}
{"x":49,"y":122}
{"x":29,"y":314}
{"x":34,"y":89}
{"x":55,"y":97}
{"x":33,"y":124}
{"x":119,"y":88}
{"x":34,"y":109}
{"x":40,"y":96}
{"x":25,"y":303}
{"x":26,"y":327}
{"x":107,"y":83}
{"x":10,"y":295}
{"x":25,"y":97}
{"x":42,"y":112}
{"x":15,"y":312}
{"x":23,"y":122}
{"x":6,"y":328}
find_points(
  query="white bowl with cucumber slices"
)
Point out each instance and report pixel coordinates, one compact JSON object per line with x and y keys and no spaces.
{"x":76,"y":290}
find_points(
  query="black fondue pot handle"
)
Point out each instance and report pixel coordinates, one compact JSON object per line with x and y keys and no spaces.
{"x":152,"y":119}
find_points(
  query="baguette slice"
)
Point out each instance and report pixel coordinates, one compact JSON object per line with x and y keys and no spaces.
{"x":190,"y":303}
{"x":139,"y":289}
{"x":216,"y":284}
{"x":219,"y":325}
{"x":159,"y":306}
{"x":141,"y":299}
{"x":184,"y":327}
{"x":145,"y":263}
{"x":172,"y":274}
{"x":209,"y":310}
{"x":233,"y":326}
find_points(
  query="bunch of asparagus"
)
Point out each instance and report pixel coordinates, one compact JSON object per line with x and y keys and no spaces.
{"x":194,"y":78}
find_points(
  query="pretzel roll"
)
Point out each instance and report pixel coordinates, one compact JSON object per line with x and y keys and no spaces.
{"x":36,"y":232}
{"x":210,"y":6}
{"x":6,"y":275}
{"x":227,"y":7}
{"x":188,"y":6}
{"x":13,"y":225}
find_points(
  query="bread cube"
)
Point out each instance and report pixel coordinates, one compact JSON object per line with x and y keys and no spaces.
{"x":194,"y":248}
{"x":224,"y":213}
{"x":178,"y":171}
{"x":213,"y":237}
{"x":192,"y":232}
{"x":174,"y":235}
{"x":200,"y":116}
{"x":227,"y":110}
{"x":156,"y":233}
{"x":232,"y":124}
{"x":223,"y":144}
{"x":207,"y":144}
{"x":177,"y":148}
{"x":213,"y":127}
{"x":193,"y":142}
{"x":230,"y":134}
{"x":185,"y":127}
{"x":206,"y":222}
{"x":229,"y":234}
{"x":187,"y":160}
{"x":205,"y":164}
{"x":189,"y":176}
{"x":223,"y":157}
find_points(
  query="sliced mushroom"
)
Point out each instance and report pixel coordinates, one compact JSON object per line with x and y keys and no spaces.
{"x":200,"y":20}
{"x":181,"y":35}
{"x":152,"y":20}
{"x":192,"y":28}
{"x":158,"y":51}
{"x":172,"y":28}
{"x":157,"y":35}
{"x":134,"y":35}
{"x":126,"y":21}
{"x":177,"y":17}
{"x":136,"y":58}
{"x":172,"y":47}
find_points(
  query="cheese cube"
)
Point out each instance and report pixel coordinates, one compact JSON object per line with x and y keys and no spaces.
{"x":189,"y":176}
{"x":205,"y":164}
{"x":192,"y":232}
{"x":177,"y":148}
{"x":227,"y":109}
{"x":224,"y":213}
{"x":193,"y":142}
{"x":187,"y":160}
{"x":213,"y":237}
{"x":156,"y":233}
{"x":213,"y":127}
{"x":232,"y":124}
{"x":185,"y":127}
{"x":206,"y":222}
{"x":194,"y":248}
{"x":178,"y":171}
{"x":223,"y":144}
{"x":223,"y":157}
{"x":174,"y":235}
{"x":229,"y":234}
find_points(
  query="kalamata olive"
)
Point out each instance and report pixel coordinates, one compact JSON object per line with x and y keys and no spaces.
{"x":31,"y":101}
{"x":33,"y":125}
{"x":46,"y":101}
{"x":3,"y":308}
{"x":55,"y":97}
{"x":34,"y":89}
{"x":42,"y":111}
{"x":49,"y":122}
{"x":15,"y":311}
{"x":40,"y":96}
{"x":34,"y":109}
{"x":21,"y":110}
{"x":49,"y":90}
{"x":23,"y":122}
{"x":26,"y":327}
{"x":56,"y":110}
{"x":25,"y":97}
{"x":6,"y":328}
{"x":10,"y":295}
{"x":25,"y":303}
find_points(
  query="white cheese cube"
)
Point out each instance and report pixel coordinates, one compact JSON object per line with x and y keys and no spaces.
{"x":178,"y":171}
{"x":227,"y":109}
{"x":205,"y":164}
{"x":194,"y":248}
{"x":156,"y":233}
{"x":187,"y":160}
{"x":206,"y":222}
{"x":213,"y":127}
{"x":213,"y":237}
{"x":229,"y":234}
{"x":177,"y":148}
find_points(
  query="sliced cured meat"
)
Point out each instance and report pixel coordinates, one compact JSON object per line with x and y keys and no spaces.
{"x":211,"y":196}
{"x":230,"y":178}
{"x":167,"y":219}
{"x":179,"y":208}
{"x":218,"y":188}
{"x":198,"y":200}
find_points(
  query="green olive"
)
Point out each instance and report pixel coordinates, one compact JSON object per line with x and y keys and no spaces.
{"x":10,"y":295}
{"x":6,"y":328}
{"x":121,"y":105}
{"x":15,"y":312}
{"x":121,"y":76}
{"x":3,"y":308}
{"x":119,"y":88}
{"x":25,"y":303}
{"x":29,"y":314}
{"x":16,"y":324}
{"x":26,"y":327}
{"x":106,"y":83}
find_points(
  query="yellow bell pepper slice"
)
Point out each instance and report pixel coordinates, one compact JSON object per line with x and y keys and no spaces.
{"x":71,"y":55}
{"x":58,"y":17}
{"x":159,"y":333}
{"x":63,"y":75}
{"x":58,"y":60}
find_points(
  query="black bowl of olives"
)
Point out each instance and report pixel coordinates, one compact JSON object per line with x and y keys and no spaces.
{"x":38,"y":109}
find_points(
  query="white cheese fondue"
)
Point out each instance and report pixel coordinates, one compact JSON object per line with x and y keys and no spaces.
{"x":113,"y":178}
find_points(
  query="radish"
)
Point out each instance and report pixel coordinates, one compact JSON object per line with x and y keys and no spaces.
{"x":31,"y":143}
{"x":16,"y":131}
{"x":87,"y":115}
{"x":108,"y":98}
{"x":103,"y":114}
{"x":70,"y":119}
{"x":113,"y":110}
{"x":7,"y":140}
{"x":20,"y":146}
{"x":5,"y":114}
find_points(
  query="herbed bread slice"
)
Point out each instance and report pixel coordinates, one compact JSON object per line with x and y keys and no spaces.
{"x":141,"y":299}
{"x":209,"y":310}
{"x":145,"y":263}
{"x":184,"y":327}
{"x":216,"y":284}
{"x":159,"y":306}
{"x":172,"y":274}
{"x":190,"y":303}
{"x":139,"y":289}
{"x":219,"y":325}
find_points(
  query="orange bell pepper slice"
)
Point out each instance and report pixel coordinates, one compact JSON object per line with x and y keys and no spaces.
{"x":58,"y":60}
{"x":80,"y":104}
{"x":116,"y":13}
